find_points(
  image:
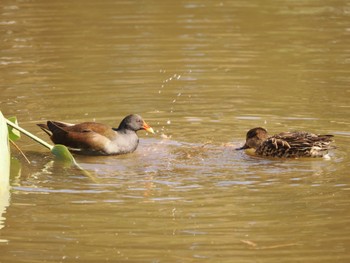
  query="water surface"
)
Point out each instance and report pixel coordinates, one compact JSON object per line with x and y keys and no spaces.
{"x":201,"y":73}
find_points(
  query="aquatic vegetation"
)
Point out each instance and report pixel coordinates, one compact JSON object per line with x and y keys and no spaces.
{"x":10,"y":132}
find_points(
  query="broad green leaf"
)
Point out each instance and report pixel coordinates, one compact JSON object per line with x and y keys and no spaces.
{"x":4,"y":155}
{"x":62,"y":153}
{"x":14,"y":134}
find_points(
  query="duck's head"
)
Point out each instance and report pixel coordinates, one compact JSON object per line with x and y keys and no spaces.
{"x":254,"y":138}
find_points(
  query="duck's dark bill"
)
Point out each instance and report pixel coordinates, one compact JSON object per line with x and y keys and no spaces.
{"x":242,"y":148}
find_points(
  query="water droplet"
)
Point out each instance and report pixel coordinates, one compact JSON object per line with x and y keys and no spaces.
{"x":168,"y":122}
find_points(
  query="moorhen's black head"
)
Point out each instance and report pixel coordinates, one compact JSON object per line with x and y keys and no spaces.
{"x":134,"y":122}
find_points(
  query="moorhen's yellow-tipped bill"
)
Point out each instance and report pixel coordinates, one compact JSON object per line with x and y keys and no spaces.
{"x":148,"y":128}
{"x":93,"y":138}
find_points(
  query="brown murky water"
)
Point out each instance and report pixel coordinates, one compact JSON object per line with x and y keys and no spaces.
{"x":202,"y":73}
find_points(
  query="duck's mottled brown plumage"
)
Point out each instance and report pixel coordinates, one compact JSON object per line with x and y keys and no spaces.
{"x":287,"y":144}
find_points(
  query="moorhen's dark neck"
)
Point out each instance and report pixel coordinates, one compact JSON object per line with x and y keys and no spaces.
{"x":123,"y":130}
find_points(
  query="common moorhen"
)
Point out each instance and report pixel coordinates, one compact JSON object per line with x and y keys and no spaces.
{"x":93,"y":138}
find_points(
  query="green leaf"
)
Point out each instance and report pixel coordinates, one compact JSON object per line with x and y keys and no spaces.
{"x":4,"y":155}
{"x":14,"y":134}
{"x":62,"y":153}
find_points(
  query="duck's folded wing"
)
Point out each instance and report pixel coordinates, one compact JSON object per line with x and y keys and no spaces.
{"x":306,"y":144}
{"x":306,"y":139}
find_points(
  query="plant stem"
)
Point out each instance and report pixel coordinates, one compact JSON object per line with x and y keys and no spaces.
{"x":33,"y":137}
{"x":20,"y":151}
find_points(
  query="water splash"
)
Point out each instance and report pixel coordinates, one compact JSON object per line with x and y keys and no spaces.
{"x":175,"y":98}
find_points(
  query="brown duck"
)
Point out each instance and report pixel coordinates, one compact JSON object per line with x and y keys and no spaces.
{"x":93,"y":138}
{"x":287,"y":144}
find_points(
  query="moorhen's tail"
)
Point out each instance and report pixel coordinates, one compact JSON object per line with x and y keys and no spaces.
{"x":54,"y":127}
{"x":45,"y":128}
{"x":57,"y":127}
